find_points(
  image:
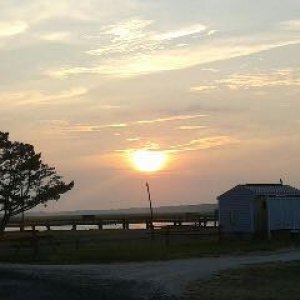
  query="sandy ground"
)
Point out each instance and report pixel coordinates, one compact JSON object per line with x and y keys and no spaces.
{"x":148,"y":280}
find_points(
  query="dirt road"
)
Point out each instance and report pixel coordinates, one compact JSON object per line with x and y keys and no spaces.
{"x":148,"y":280}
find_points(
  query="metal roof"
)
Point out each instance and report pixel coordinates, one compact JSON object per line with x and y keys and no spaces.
{"x":268,"y":189}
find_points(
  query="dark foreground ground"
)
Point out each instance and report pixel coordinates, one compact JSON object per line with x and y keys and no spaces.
{"x":277,"y":277}
{"x":129,"y":265}
{"x":18,"y":286}
{"x":278,"y":281}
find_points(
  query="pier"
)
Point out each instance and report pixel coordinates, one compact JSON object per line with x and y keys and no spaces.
{"x":123,"y":221}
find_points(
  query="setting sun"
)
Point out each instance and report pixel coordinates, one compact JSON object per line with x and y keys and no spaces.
{"x":149,"y":160}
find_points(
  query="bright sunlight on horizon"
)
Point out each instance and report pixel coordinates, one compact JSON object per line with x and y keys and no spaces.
{"x":149,"y":160}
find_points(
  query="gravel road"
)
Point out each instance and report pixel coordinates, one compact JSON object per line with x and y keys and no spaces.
{"x":148,"y":280}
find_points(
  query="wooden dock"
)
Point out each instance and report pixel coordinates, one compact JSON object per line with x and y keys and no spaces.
{"x":123,"y":220}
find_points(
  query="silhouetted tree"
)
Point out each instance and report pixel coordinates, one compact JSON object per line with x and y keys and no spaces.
{"x":25,"y":181}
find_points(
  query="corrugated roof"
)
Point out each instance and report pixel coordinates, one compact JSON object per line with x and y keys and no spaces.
{"x":272,"y":189}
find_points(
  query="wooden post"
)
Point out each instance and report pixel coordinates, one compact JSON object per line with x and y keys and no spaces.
{"x":48,"y":227}
{"x":199,"y":222}
{"x":125,"y":224}
{"x":148,"y":225}
{"x":74,"y":227}
{"x":100,"y":226}
{"x":151,"y":210}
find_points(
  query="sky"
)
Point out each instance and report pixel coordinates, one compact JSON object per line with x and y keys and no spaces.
{"x":215,"y":84}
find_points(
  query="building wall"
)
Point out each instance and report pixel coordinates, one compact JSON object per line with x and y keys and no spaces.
{"x":236,"y":212}
{"x":284,"y":213}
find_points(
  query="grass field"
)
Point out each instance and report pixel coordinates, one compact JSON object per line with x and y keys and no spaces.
{"x":66,"y":247}
{"x":278,"y":281}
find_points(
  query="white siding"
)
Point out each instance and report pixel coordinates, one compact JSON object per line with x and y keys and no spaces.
{"x":284,"y":213}
{"x":236,"y":212}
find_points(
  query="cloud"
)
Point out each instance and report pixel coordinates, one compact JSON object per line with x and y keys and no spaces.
{"x":126,"y":37}
{"x":135,"y":139}
{"x":212,"y":32}
{"x":171,"y":59}
{"x":170,"y":118}
{"x":285,"y":77}
{"x":127,"y":30}
{"x":204,"y":143}
{"x":132,"y":36}
{"x":191,"y":127}
{"x":90,"y":128}
{"x":58,"y":36}
{"x":132,"y":48}
{"x":8,"y":29}
{"x":182,"y":32}
{"x":192,"y":145}
{"x":291,"y":25}
{"x":39,"y":98}
{"x":95,"y":128}
{"x":203,"y":88}
{"x":275,"y":78}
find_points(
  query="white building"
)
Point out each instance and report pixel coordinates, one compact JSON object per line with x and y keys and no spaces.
{"x":259,"y":208}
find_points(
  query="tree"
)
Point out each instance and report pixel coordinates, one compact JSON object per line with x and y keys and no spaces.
{"x":25,"y":181}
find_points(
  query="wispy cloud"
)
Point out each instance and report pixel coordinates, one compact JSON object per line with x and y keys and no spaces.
{"x":197,"y":144}
{"x":171,"y":59}
{"x":191,"y":127}
{"x":92,"y":128}
{"x":274,"y":78}
{"x":8,"y":29}
{"x":205,"y":143}
{"x":125,"y":37}
{"x":169,"y":118}
{"x":203,"y":88}
{"x":57,"y":36}
{"x":38,"y":98}
{"x":133,"y":36}
{"x":134,"y":139}
{"x":182,"y":32}
{"x":292,"y":25}
{"x":95,"y":128}
{"x":286,"y":77}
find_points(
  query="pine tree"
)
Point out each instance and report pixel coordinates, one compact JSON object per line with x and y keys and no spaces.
{"x":25,"y":181}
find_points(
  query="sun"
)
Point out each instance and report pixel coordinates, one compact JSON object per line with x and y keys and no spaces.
{"x":149,"y":160}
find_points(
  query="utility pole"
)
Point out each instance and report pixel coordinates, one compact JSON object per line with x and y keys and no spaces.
{"x":151,"y":210}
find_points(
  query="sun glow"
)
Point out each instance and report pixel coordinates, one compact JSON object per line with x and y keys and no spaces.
{"x":149,"y":160}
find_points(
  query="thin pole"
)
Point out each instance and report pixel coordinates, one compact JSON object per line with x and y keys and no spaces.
{"x":151,"y":209}
{"x":23,"y":221}
{"x":22,"y":227}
